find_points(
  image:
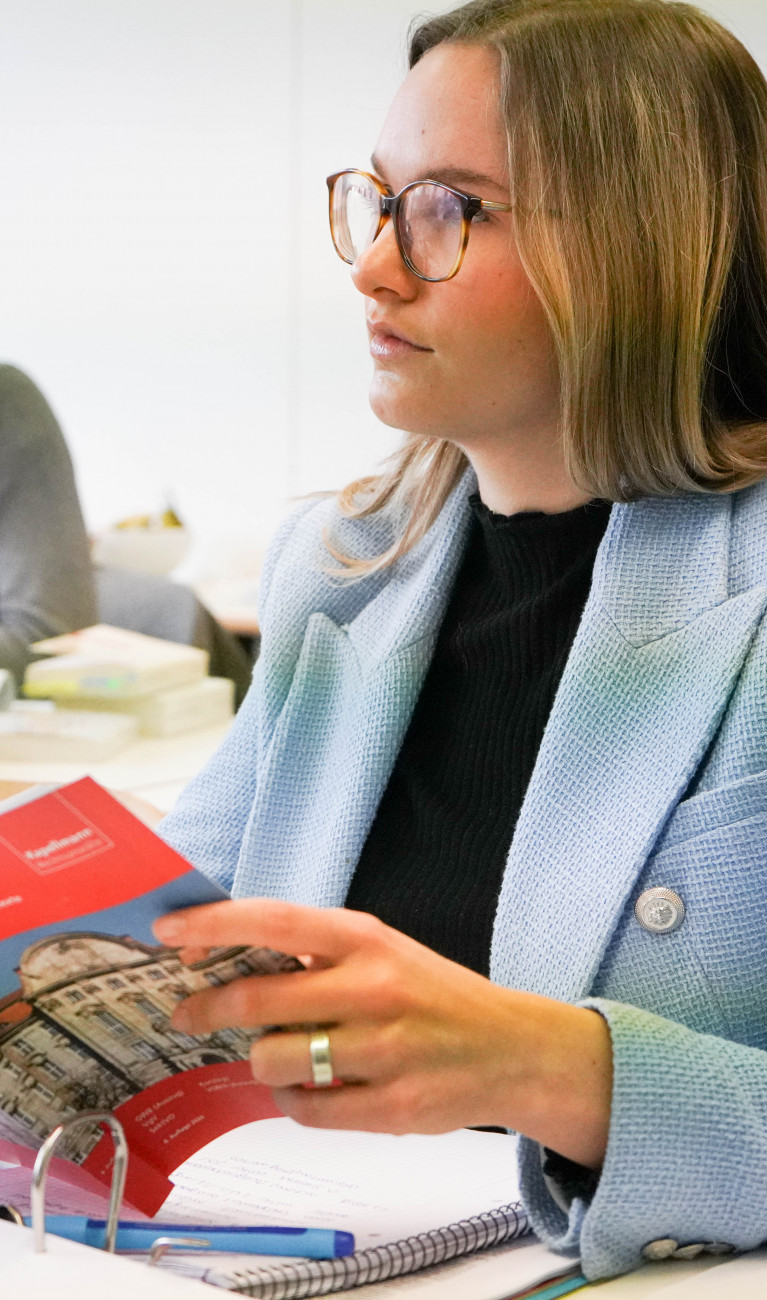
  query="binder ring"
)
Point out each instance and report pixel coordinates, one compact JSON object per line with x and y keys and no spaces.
{"x":119,"y":1173}
{"x":162,"y":1245}
{"x":322,"y":1066}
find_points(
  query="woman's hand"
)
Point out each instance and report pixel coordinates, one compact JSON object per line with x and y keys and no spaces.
{"x":421,"y":1044}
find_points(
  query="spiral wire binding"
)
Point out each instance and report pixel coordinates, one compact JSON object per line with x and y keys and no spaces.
{"x":378,"y":1263}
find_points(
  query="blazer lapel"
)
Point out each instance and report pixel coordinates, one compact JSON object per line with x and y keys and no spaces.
{"x":647,"y":681}
{"x":340,"y":730}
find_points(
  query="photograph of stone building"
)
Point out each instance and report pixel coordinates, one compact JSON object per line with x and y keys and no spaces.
{"x":88,"y":1027}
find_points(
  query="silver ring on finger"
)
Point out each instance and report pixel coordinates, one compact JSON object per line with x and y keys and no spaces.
{"x":322,"y":1065}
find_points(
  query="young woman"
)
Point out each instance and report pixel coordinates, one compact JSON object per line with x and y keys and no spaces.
{"x":519,"y":733}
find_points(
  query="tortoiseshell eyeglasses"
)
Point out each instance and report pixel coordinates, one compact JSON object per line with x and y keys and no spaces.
{"x":431,"y":221}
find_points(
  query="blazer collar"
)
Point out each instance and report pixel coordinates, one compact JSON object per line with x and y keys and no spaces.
{"x":644,"y":689}
{"x":410,"y":607}
{"x":660,"y":564}
{"x":342,"y":723}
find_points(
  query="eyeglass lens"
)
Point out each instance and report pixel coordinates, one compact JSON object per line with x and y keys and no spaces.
{"x":429,"y":223}
{"x":356,"y":213}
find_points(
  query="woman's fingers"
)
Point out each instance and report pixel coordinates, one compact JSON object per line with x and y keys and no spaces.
{"x":358,"y":1053}
{"x":419,"y":1043}
{"x":319,"y":996}
{"x":189,"y":956}
{"x":267,"y":922}
{"x":392,"y":1106}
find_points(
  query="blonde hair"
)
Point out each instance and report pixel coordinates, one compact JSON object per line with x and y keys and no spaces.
{"x":637,"y":138}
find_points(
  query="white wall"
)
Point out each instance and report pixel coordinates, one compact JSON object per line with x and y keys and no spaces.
{"x":166,"y":271}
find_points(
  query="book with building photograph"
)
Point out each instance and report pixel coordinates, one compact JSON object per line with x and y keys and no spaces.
{"x":86,"y":993}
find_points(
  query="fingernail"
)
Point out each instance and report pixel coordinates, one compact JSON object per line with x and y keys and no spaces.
{"x":168,"y":929}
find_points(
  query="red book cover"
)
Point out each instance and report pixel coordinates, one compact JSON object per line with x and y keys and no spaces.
{"x":86,"y":992}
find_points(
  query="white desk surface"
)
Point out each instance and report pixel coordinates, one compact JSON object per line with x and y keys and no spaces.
{"x":743,"y":1278}
{"x":706,"y":1278}
{"x":154,"y":769}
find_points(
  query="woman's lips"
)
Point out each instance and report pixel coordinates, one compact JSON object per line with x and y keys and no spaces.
{"x":389,"y":347}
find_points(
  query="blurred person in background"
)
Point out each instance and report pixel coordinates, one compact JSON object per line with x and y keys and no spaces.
{"x":48,"y":584}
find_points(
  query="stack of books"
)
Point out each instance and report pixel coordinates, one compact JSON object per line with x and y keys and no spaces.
{"x":103,"y":685}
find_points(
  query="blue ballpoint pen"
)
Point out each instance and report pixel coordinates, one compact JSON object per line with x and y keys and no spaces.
{"x":311,"y":1243}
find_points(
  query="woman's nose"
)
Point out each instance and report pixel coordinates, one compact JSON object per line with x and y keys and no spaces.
{"x":380,"y":268}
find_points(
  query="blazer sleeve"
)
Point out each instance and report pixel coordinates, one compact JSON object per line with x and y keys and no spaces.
{"x":46,"y":578}
{"x":687,"y":1149}
{"x":208,"y":822}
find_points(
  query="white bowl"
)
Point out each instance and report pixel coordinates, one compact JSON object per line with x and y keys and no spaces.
{"x":143,"y":550}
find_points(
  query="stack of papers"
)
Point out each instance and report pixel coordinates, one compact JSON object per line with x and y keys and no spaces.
{"x":105,"y":662}
{"x":171,"y":712}
{"x":49,"y":735}
{"x":160,"y":685}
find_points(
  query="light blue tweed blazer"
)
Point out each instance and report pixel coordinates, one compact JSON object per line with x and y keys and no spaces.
{"x":652,"y":771}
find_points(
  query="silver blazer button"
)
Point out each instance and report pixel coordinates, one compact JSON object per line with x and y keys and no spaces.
{"x":659,"y":910}
{"x":663,"y":1248}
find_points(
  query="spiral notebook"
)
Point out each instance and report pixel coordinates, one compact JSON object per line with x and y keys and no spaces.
{"x":412,"y":1202}
{"x":318,"y":1277}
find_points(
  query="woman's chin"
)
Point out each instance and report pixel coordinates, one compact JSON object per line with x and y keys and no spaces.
{"x":392,"y":404}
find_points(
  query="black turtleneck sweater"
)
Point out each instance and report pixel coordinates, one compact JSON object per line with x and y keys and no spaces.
{"x":433,"y":861}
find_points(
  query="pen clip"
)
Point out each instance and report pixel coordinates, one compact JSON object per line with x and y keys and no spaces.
{"x":119,"y":1173}
{"x":162,"y":1245}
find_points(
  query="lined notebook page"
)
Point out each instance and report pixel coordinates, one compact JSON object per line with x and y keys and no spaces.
{"x":381,"y":1188}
